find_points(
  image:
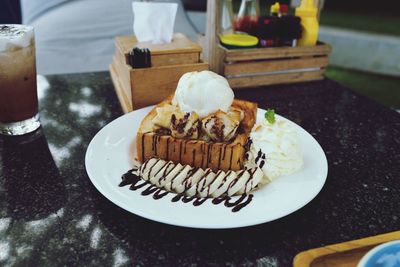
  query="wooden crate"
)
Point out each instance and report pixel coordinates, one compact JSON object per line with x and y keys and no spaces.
{"x":137,"y":88}
{"x":262,"y":66}
{"x":346,"y":254}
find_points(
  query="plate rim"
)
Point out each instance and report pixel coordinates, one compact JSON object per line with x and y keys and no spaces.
{"x":142,"y":214}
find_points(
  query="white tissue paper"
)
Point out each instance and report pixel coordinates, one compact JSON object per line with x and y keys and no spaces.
{"x":154,"y":22}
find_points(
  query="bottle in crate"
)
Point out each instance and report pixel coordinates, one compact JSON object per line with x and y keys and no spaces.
{"x":227,"y":17}
{"x":246,"y":19}
{"x":309,"y":22}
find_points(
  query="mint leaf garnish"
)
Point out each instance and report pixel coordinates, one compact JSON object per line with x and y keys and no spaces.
{"x":270,"y":116}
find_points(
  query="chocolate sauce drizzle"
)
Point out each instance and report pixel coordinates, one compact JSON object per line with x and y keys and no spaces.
{"x":237,"y":205}
{"x":260,"y":159}
{"x":135,"y":182}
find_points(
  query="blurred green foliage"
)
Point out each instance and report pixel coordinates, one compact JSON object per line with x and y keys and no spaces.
{"x":362,"y":22}
{"x":383,"y":89}
{"x":363,"y":6}
{"x":354,"y":6}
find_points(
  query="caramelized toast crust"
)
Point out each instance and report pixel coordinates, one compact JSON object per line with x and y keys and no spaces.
{"x":197,"y":153}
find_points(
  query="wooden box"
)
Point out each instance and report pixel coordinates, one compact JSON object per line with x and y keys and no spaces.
{"x":262,"y":66}
{"x":274,"y":65}
{"x":140,"y":87}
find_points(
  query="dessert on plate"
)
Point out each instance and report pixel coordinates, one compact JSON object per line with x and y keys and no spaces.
{"x":201,"y":142}
{"x":202,"y":125}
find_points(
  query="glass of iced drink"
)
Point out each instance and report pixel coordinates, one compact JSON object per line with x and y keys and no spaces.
{"x":18,"y":92}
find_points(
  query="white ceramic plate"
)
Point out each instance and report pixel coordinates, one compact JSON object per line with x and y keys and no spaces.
{"x":110,"y":155}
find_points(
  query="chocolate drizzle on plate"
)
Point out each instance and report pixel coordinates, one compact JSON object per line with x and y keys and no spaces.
{"x":237,"y":204}
{"x":131,"y":178}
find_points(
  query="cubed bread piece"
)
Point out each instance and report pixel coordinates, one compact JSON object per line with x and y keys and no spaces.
{"x":197,"y":153}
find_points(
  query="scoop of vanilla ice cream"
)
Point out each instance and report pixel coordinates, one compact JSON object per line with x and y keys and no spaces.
{"x":203,"y":92}
{"x":279,"y":142}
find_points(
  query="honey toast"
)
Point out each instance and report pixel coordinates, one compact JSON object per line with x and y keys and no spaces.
{"x":196,"y":152}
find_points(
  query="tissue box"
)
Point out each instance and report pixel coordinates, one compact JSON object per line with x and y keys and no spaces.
{"x":137,"y":88}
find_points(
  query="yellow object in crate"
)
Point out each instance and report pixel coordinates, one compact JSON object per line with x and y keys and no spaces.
{"x":239,"y":40}
{"x":309,"y":22}
{"x":275,"y":8}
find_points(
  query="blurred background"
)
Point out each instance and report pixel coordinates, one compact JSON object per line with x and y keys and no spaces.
{"x":365,"y":36}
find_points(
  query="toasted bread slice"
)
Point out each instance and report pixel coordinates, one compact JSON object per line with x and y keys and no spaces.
{"x":197,"y":153}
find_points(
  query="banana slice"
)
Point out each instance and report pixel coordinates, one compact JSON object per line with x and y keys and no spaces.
{"x":184,"y":179}
{"x":221,"y":126}
{"x":185,"y":125}
{"x":163,"y":117}
{"x":171,"y":120}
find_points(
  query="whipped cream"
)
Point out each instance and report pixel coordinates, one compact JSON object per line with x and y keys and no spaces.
{"x":15,"y":35}
{"x":275,"y":148}
{"x":191,"y":181}
{"x":203,"y":92}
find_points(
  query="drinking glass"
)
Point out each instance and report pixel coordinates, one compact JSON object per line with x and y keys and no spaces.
{"x":18,"y":92}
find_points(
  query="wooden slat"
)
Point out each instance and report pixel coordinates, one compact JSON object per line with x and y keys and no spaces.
{"x":180,"y":44}
{"x":124,"y":101}
{"x":212,"y":52}
{"x":180,"y":51}
{"x":123,"y":70}
{"x":165,"y":60}
{"x":252,"y":81}
{"x":175,"y":59}
{"x":240,"y":68}
{"x":346,"y":254}
{"x":168,"y":59}
{"x":274,"y":52}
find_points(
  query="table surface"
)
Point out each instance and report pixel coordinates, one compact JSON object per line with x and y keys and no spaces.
{"x":51,"y":214}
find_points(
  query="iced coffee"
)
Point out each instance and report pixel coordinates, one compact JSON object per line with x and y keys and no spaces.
{"x":18,"y":93}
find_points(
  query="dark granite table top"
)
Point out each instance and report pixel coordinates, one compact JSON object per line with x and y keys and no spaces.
{"x":51,"y":214}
